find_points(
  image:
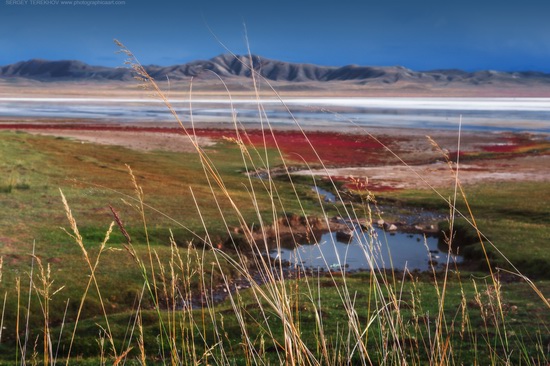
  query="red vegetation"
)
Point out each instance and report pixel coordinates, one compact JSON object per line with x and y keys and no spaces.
{"x":518,"y":145}
{"x":377,"y":188}
{"x":332,"y":148}
{"x":85,"y":127}
{"x":515,"y":144}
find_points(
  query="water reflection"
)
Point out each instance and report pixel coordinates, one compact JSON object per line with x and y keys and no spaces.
{"x":378,"y":249}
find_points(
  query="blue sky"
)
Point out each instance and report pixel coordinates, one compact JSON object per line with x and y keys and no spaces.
{"x":422,"y":34}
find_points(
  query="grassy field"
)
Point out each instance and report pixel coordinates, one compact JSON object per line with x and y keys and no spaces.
{"x":512,"y":215}
{"x":93,"y":177}
{"x":131,"y":308}
{"x":475,"y":329}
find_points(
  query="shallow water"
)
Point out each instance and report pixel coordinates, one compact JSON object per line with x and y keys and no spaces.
{"x":324,"y":195}
{"x":382,"y":250}
{"x":509,"y":114}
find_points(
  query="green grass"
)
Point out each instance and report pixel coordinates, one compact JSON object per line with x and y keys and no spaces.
{"x":322,"y":315}
{"x":94,"y":177}
{"x":471,"y":337}
{"x":513,"y":215}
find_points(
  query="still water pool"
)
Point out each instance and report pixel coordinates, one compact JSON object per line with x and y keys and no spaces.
{"x":379,"y":250}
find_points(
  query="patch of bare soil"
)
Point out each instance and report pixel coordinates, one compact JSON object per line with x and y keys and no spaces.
{"x":525,"y":168}
{"x":142,"y":140}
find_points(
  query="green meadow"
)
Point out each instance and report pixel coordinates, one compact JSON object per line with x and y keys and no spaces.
{"x":82,"y":293}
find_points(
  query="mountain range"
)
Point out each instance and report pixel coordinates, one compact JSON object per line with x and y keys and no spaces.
{"x":230,"y":66}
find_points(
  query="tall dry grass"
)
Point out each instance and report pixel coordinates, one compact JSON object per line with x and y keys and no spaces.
{"x":266,"y":324}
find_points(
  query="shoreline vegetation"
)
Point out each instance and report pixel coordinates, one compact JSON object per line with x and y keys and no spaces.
{"x":162,"y":256}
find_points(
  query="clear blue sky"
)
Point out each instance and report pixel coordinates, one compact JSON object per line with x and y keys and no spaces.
{"x":419,"y":34}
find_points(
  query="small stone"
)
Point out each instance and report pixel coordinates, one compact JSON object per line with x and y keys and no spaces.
{"x":344,"y":235}
{"x":363,"y":227}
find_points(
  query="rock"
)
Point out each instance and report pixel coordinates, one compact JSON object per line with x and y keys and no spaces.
{"x":381,"y":222}
{"x":364,"y":227}
{"x":291,"y":220}
{"x":344,"y":235}
{"x":295,"y":220}
{"x":315,"y":222}
{"x":389,"y":227}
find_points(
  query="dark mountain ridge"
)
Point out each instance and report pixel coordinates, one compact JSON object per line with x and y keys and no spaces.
{"x":229,"y":66}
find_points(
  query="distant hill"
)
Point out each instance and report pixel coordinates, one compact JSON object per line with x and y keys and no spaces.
{"x":228,"y":66}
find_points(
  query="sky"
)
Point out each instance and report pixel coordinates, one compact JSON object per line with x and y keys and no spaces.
{"x":507,"y":35}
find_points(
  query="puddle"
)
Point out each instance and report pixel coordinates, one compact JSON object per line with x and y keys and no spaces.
{"x":387,"y":250}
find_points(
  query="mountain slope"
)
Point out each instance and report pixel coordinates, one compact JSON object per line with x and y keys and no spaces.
{"x":229,"y":66}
